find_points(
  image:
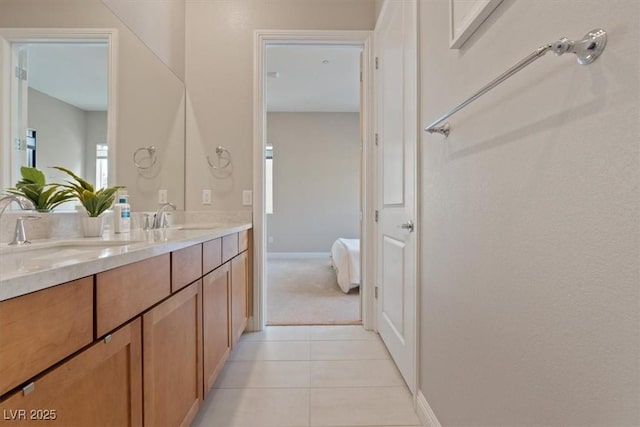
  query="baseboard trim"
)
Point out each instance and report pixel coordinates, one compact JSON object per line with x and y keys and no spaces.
{"x":425,"y":413}
{"x":297,"y":255}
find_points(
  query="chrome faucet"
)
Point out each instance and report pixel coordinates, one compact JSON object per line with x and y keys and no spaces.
{"x":19,"y":235}
{"x":160,"y":217}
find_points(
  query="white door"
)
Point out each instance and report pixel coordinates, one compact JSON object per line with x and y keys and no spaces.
{"x":396,"y":126}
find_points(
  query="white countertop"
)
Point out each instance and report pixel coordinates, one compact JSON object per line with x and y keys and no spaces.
{"x":50,"y":262}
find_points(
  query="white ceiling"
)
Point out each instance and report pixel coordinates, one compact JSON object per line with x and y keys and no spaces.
{"x":305,"y":84}
{"x":75,"y":73}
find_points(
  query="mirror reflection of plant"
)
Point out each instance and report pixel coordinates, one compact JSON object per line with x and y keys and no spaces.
{"x":94,"y":202}
{"x":44,"y":196}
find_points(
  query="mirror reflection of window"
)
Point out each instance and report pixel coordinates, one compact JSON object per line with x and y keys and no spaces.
{"x":268,"y":174}
{"x":101,"y":165}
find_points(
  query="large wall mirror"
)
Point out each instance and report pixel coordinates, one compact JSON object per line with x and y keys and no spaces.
{"x":92,"y":94}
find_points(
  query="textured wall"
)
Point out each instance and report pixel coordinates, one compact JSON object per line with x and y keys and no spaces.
{"x":316,"y":179}
{"x":530,"y":230}
{"x":220,"y":80}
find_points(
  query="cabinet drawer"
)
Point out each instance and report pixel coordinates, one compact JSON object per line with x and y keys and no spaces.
{"x":243,"y":241}
{"x":42,"y":328}
{"x":125,"y":292}
{"x":229,"y":247}
{"x":211,"y":255}
{"x":186,"y":266}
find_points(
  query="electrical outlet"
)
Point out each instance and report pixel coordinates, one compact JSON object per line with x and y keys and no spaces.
{"x":206,"y":197}
{"x":162,"y":196}
{"x":270,"y":239}
{"x":247,"y":198}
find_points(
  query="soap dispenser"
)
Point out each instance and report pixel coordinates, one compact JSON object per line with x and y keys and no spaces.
{"x":122,"y":213}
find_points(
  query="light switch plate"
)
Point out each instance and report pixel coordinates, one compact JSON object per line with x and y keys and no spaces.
{"x":162,"y":196}
{"x":247,"y":198}
{"x":206,"y":197}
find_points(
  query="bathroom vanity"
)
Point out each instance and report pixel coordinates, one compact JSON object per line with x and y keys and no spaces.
{"x":132,"y":331}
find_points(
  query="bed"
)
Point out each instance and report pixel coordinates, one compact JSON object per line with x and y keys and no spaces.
{"x":345,"y":260}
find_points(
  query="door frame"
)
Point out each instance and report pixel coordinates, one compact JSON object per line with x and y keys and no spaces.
{"x":39,"y":35}
{"x":262,"y":38}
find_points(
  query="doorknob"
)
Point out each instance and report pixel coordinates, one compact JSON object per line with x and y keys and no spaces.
{"x":408,"y":226}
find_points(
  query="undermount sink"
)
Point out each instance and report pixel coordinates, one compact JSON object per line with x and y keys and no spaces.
{"x":53,"y":254}
{"x":64,"y":245}
{"x":199,"y":226}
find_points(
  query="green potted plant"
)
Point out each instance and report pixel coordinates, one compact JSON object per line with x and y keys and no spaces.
{"x":95,"y":202}
{"x":33,"y":186}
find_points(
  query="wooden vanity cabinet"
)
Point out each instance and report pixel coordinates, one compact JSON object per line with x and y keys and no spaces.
{"x":239,"y":291}
{"x":125,"y":292}
{"x":186,"y":266}
{"x":100,"y":386}
{"x":172,"y":354}
{"x":215,"y":323}
{"x":40,"y":329}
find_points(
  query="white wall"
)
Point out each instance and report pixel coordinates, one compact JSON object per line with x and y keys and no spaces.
{"x":60,"y":134}
{"x":529,"y":227}
{"x":316,"y":178}
{"x":160,"y":26}
{"x":150,"y":96}
{"x":219,"y":60}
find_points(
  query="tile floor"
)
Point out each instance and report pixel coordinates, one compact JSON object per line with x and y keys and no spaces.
{"x":295,"y":376}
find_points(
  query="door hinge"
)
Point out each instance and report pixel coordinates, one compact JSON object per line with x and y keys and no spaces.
{"x":375,"y":292}
{"x":377,"y":139}
{"x":21,"y":73}
{"x":377,"y":215}
{"x":377,"y":64}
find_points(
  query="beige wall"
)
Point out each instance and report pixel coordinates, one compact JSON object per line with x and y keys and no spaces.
{"x":219,"y":78}
{"x":150,"y":96}
{"x":160,"y":26}
{"x":529,"y":227}
{"x":316,"y":180}
{"x":61,"y":132}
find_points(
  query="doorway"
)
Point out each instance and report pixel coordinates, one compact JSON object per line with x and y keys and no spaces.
{"x":296,"y":241}
{"x":312,"y":184}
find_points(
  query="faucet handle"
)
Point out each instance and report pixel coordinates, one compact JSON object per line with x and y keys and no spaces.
{"x":19,"y":234}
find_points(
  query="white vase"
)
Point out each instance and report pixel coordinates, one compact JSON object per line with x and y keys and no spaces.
{"x":92,"y":226}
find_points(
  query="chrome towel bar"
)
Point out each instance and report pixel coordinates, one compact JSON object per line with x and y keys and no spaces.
{"x":587,"y":50}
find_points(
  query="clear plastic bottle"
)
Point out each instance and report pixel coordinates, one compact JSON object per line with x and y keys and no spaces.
{"x":122,"y":214}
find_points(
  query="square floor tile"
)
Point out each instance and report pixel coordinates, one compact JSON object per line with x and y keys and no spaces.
{"x":355,"y":373}
{"x":278,"y":333}
{"x":341,"y":332}
{"x":271,"y":350}
{"x":362,"y":406}
{"x":348,"y":350}
{"x":254,"y":408}
{"x":264,"y":374}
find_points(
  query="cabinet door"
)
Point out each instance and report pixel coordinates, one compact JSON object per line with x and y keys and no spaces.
{"x":239,"y":275}
{"x":172,"y":348}
{"x":101,"y":386}
{"x":215,"y":325}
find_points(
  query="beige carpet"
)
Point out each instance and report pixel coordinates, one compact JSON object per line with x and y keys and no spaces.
{"x":305,"y":292}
